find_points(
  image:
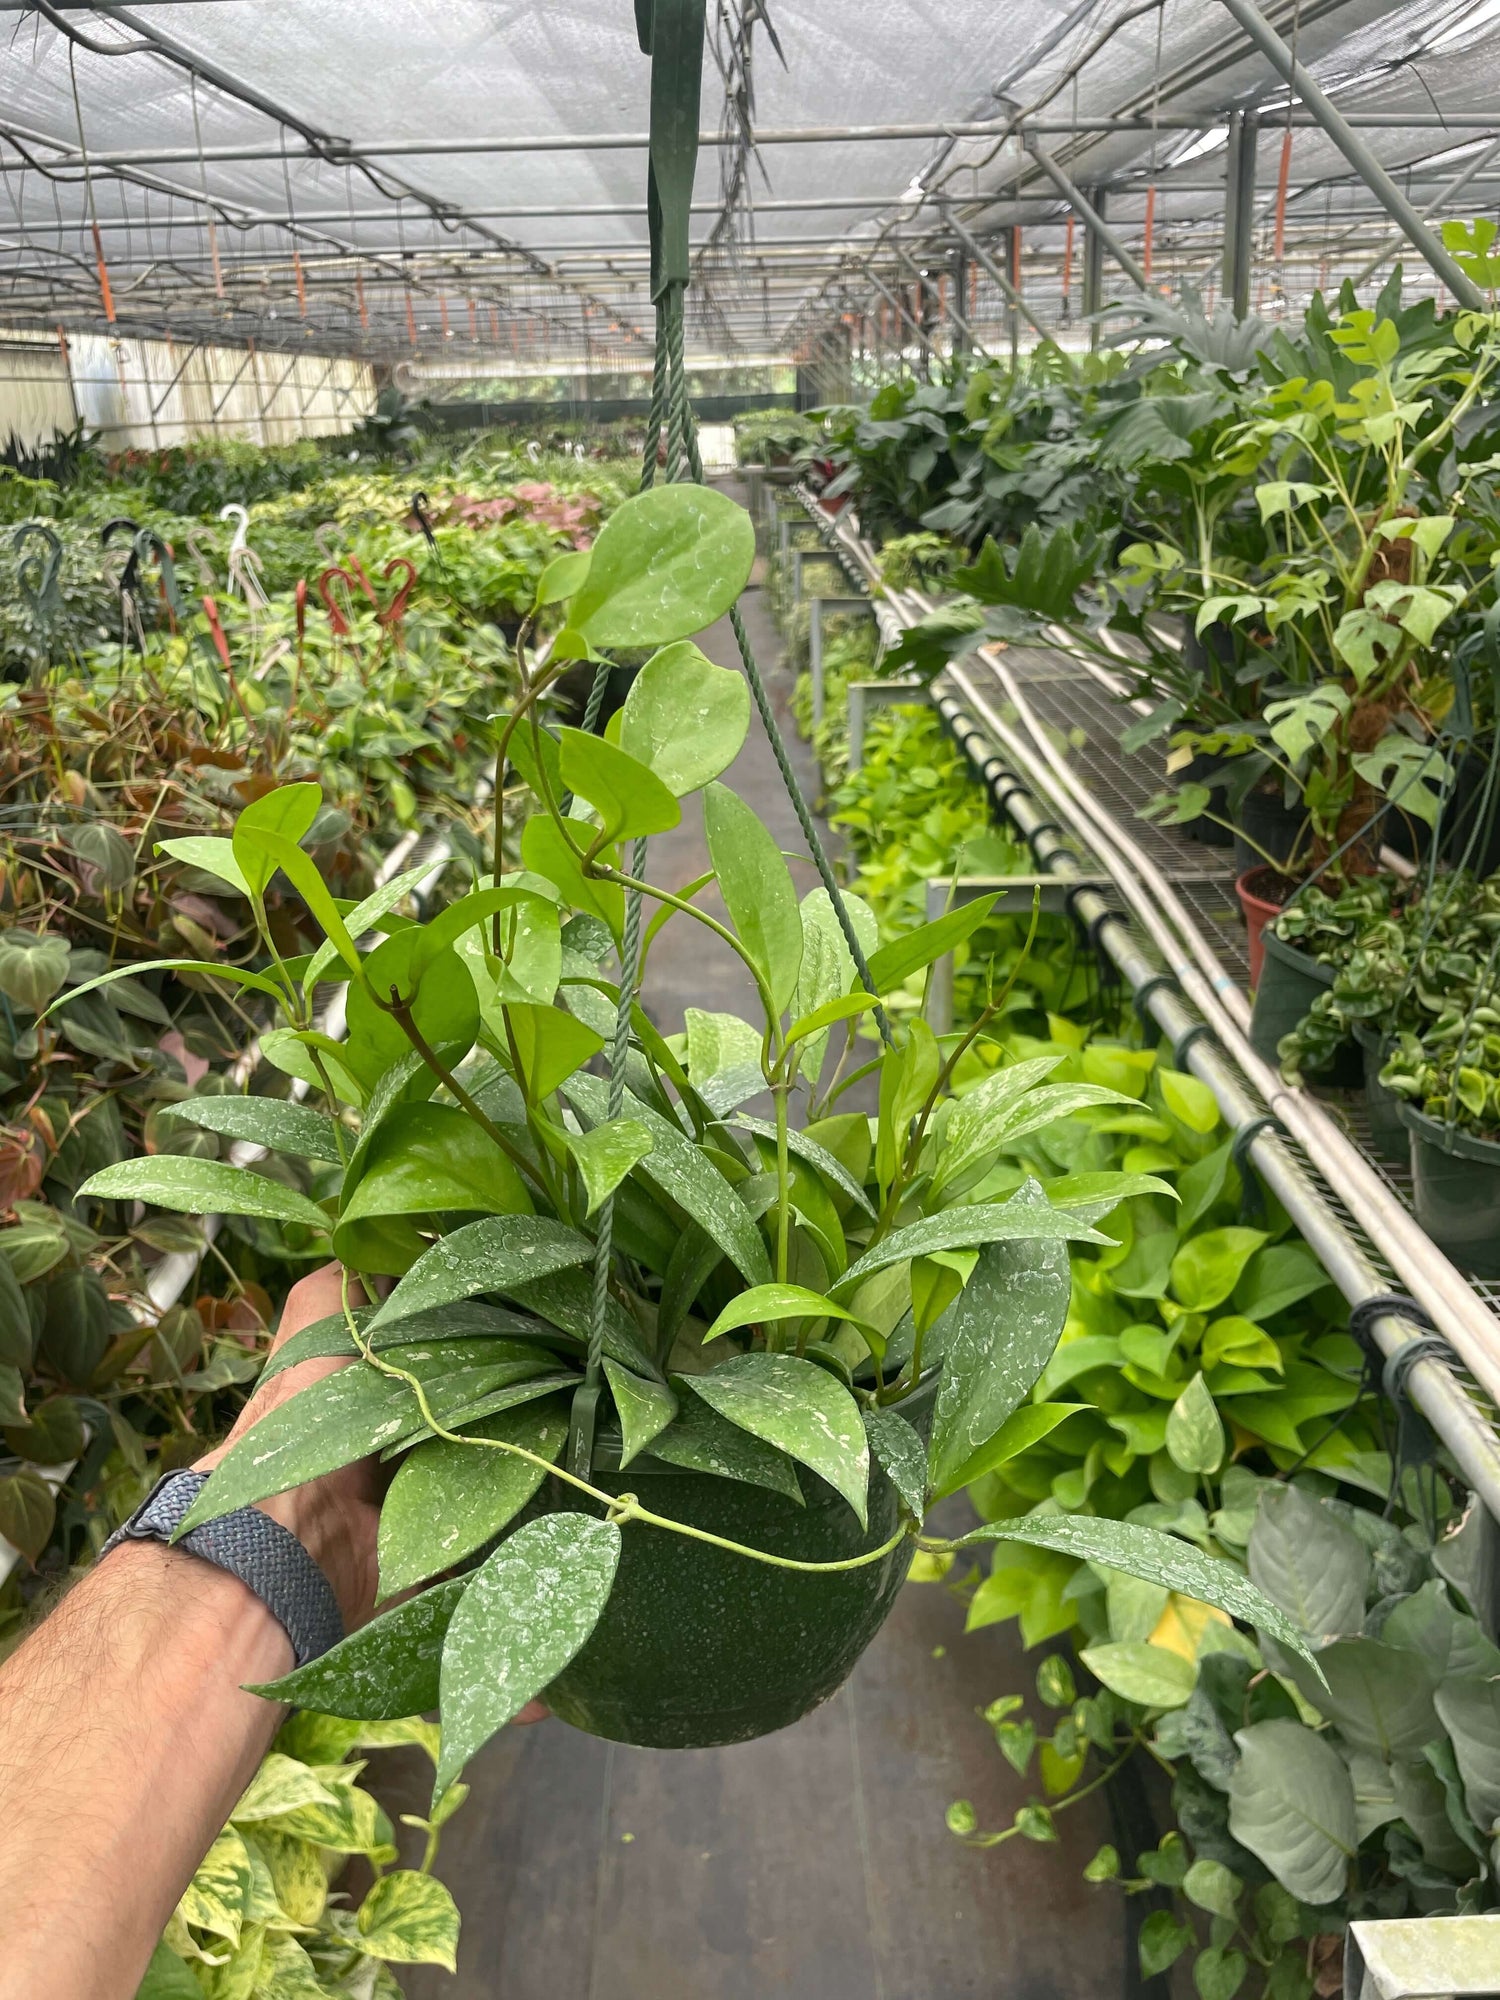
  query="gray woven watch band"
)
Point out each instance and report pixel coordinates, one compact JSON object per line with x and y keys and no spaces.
{"x":267,"y":1558}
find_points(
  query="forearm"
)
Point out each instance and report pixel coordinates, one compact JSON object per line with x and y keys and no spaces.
{"x":125,"y":1739}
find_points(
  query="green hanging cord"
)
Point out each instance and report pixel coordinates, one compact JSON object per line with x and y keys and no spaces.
{"x":585,"y":1410}
{"x":657,"y":416}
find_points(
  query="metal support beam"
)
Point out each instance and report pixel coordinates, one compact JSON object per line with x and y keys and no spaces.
{"x":1239,"y":209}
{"x":1440,"y":201}
{"x":1089,"y":216}
{"x":1093,"y":267}
{"x":1356,"y":152}
{"x":988,"y":265}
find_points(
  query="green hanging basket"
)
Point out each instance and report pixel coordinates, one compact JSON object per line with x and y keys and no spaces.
{"x":697,"y":1646}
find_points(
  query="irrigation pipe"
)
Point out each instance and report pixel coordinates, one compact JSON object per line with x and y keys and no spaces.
{"x":1464,"y":1321}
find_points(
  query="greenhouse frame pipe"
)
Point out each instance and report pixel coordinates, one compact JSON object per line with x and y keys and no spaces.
{"x":337,"y":152}
{"x":1433,"y":1388}
{"x":1356,"y":152}
{"x":1088,"y":215}
{"x":1465,"y":1323}
{"x":950,"y":311}
{"x":992,"y":270}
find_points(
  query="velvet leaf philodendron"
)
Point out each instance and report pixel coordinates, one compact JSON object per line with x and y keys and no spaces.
{"x":804,"y":1322}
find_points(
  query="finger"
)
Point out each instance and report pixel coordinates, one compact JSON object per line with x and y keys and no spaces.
{"x":315,"y":1297}
{"x":534,"y":1711}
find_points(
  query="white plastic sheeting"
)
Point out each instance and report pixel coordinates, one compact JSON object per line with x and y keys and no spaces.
{"x":537,"y":94}
{"x":150,"y":394}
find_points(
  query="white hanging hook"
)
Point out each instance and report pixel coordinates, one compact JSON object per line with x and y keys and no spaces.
{"x":234,"y":511}
{"x":533,"y":451}
{"x":244,"y":563}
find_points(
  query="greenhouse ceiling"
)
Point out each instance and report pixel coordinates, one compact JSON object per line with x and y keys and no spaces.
{"x":451,"y":179}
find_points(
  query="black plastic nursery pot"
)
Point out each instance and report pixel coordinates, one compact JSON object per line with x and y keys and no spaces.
{"x":1456,"y":1191}
{"x":1382,"y":1106}
{"x":1271,"y":824}
{"x":698,"y":1646}
{"x":1290,"y":981}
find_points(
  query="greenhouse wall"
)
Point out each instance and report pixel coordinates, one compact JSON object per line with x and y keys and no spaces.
{"x":145,"y":394}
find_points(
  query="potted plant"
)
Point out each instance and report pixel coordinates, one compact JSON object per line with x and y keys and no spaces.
{"x":1304,"y":946}
{"x":669,"y":1383}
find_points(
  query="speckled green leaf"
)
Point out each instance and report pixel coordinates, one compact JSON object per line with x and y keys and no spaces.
{"x":349,"y":1415}
{"x":1153,"y":1555}
{"x":263,"y":1121}
{"x":700,"y":1440}
{"x":902,"y":1457}
{"x":385,"y":1670}
{"x":449,"y":1499}
{"x":493,"y":1255}
{"x":644,"y":1409}
{"x":1013,"y":1221}
{"x":801,"y":1410}
{"x":522,"y":1618}
{"x":202,"y":1187}
{"x":682,"y":1173}
{"x":995,"y":1339}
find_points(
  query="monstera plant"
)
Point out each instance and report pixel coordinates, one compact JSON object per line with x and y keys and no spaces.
{"x":678,"y":1349}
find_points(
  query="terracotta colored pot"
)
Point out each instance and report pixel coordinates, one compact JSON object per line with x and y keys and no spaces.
{"x":1262,"y":892}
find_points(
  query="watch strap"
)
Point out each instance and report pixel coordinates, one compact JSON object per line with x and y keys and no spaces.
{"x":266,"y":1557}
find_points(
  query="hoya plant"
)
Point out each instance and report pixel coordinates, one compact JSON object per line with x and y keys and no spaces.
{"x":678,"y":1348}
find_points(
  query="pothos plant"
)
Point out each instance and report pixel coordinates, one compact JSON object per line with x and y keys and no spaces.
{"x":784,"y":1336}
{"x":263,"y":1915}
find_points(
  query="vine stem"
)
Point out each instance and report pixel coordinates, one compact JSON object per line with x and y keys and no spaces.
{"x":620,"y":1508}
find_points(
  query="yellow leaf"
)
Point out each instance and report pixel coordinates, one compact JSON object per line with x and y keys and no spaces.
{"x":1182,"y":1625}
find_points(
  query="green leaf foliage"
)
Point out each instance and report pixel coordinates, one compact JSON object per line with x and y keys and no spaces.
{"x":684,"y":718}
{"x":524,"y":1615}
{"x":667,"y":562}
{"x":801,"y":1410}
{"x":448,"y":1499}
{"x":386,"y":1669}
{"x":757,"y":889}
{"x":203,"y":1187}
{"x":1291,"y":1803}
{"x":995,"y":1340}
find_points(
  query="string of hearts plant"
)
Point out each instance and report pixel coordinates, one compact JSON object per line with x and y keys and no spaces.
{"x":669,"y":1384}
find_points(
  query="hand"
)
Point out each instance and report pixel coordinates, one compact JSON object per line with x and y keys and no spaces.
{"x":336,"y":1516}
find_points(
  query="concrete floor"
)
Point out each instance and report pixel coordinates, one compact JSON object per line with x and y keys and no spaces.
{"x":813,"y":1864}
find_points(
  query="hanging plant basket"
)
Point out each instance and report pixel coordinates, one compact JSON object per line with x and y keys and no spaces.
{"x":1456,"y":1191}
{"x":1289,"y":983}
{"x":697,"y":1647}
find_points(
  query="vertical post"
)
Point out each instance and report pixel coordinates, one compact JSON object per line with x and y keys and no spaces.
{"x":1093,"y":263}
{"x":1239,"y":209}
{"x":958,"y":278}
{"x":1013,"y":317}
{"x":854,"y":729}
{"x":815,"y":655}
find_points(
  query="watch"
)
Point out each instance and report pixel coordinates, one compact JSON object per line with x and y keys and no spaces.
{"x":267,"y":1558}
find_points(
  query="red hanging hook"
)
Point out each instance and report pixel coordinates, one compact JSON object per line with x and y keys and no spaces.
{"x":395,"y":612}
